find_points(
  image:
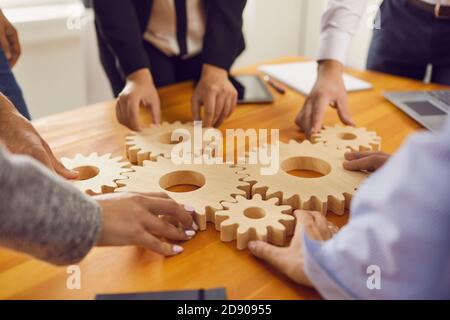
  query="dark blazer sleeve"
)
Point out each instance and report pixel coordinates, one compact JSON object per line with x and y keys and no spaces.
{"x":223,"y":40}
{"x":118,"y":23}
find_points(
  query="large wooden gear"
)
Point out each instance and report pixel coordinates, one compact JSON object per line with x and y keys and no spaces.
{"x":97,"y":174}
{"x":156,"y":141}
{"x":332,"y":191}
{"x":343,"y":137}
{"x":254,"y":219}
{"x":216,"y":182}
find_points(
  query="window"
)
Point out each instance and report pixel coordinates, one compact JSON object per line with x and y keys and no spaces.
{"x":28,"y":3}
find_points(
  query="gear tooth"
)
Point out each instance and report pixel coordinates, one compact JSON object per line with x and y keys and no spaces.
{"x":257,"y":197}
{"x":228,"y":223}
{"x":261,"y":232}
{"x":286,"y":217}
{"x":278,"y":226}
{"x":272,"y":201}
{"x":242,"y":229}
{"x":240,"y":198}
{"x":284,"y":208}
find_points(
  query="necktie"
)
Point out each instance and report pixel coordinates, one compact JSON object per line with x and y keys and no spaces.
{"x":180,"y":9}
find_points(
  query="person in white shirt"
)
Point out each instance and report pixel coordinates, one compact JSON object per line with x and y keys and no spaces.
{"x":410,"y":35}
{"x":396,"y":244}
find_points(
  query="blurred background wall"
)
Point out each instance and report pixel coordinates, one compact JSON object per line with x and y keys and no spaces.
{"x":59,"y":68}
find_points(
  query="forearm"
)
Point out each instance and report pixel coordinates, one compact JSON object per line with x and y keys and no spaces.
{"x":118,"y":25}
{"x":339,"y":23}
{"x":223,"y":37}
{"x":42,"y":215}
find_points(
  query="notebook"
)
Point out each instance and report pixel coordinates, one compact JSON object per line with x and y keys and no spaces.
{"x":301,"y":76}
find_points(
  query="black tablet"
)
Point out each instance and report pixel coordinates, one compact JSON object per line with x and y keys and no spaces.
{"x":251,"y":89}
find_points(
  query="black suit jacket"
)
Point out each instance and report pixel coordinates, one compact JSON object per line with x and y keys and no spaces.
{"x":121,"y":24}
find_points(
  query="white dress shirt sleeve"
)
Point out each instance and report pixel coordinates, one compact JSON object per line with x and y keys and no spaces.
{"x":399,"y":223}
{"x":340,"y":22}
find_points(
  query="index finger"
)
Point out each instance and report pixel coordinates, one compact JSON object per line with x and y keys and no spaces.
{"x":320,"y":105}
{"x":155,"y":109}
{"x":209,"y":109}
{"x":168,"y":207}
{"x":132,"y":115}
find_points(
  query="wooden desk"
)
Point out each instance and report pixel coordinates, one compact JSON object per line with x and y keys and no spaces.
{"x":206,"y":262}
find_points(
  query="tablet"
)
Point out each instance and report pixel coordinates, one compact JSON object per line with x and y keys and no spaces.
{"x":251,"y":89}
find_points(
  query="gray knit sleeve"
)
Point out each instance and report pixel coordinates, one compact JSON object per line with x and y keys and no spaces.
{"x":43,"y":215}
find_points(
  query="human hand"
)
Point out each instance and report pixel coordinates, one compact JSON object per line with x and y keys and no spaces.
{"x":134,"y":219}
{"x":365,"y":161}
{"x":20,"y":137}
{"x":329,"y":90}
{"x":139,"y":90}
{"x":290,"y":260}
{"x":216,"y":94}
{"x":9,"y":40}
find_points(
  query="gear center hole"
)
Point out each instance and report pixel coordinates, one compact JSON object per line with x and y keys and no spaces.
{"x":347,"y":136}
{"x":86,"y":172}
{"x":182,"y":181}
{"x":306,"y":167}
{"x":254,"y":213}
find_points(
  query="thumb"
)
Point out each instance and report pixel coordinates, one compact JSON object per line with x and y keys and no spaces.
{"x":4,"y":43}
{"x":63,"y":171}
{"x":266,"y":252}
{"x":58,"y":166}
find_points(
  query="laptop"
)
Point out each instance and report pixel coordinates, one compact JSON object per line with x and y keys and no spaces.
{"x":429,"y":108}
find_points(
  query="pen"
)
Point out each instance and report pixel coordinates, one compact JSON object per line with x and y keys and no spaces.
{"x":274,"y":85}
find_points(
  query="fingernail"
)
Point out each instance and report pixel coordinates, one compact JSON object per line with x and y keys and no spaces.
{"x":189,"y":209}
{"x":194,"y":226}
{"x":177,"y":249}
{"x":190,"y":233}
{"x":252,"y":245}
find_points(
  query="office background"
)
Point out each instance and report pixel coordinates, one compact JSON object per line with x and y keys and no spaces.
{"x":59,"y":69}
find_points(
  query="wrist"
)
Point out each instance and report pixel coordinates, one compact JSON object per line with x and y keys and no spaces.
{"x":210,"y":70}
{"x":140,"y":76}
{"x":332,"y":67}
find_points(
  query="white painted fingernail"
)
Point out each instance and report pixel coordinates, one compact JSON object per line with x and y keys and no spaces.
{"x":189,"y":209}
{"x":190,"y":233}
{"x":194,"y":226}
{"x":177,"y":249}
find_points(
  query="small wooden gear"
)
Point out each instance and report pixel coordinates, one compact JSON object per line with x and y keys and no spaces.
{"x":342,"y":137}
{"x":156,"y":141}
{"x":97,"y":174}
{"x":332,"y":191}
{"x":215,"y":182}
{"x":254,"y":219}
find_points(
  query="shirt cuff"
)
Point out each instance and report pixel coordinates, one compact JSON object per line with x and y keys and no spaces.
{"x":334,"y":45}
{"x":321,"y":278}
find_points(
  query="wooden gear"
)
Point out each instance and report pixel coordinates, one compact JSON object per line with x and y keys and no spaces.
{"x":97,"y":174}
{"x":342,"y":137}
{"x":254,"y":219}
{"x":332,"y":191}
{"x":216,"y":182}
{"x":155,"y":141}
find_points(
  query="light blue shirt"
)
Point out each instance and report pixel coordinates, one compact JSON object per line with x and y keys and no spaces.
{"x":399,"y":225}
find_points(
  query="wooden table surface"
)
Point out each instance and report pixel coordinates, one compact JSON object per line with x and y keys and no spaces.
{"x":206,"y":262}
